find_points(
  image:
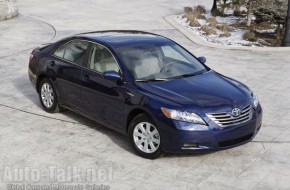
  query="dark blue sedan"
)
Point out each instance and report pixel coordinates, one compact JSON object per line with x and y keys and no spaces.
{"x":148,"y":87}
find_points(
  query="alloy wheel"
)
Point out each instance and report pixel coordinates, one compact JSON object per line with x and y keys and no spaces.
{"x":146,"y":137}
{"x":47,"y":95}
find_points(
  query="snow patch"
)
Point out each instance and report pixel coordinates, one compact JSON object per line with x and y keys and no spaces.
{"x":236,"y":38}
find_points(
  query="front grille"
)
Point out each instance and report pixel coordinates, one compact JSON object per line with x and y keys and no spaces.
{"x":225,"y":119}
{"x":235,"y":141}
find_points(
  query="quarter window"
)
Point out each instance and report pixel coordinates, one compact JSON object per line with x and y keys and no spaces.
{"x":101,"y":59}
{"x":73,"y":51}
{"x":59,"y":52}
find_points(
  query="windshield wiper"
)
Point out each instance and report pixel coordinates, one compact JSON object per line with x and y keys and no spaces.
{"x":186,"y":75}
{"x":151,"y":80}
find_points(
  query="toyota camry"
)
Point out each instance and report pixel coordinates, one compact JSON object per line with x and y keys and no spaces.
{"x":147,"y":87}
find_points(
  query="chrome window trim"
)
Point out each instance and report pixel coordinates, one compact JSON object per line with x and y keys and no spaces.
{"x":86,"y":67}
{"x":52,"y":54}
{"x":110,"y":53}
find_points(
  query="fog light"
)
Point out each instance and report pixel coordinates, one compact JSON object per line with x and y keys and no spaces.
{"x":190,"y":145}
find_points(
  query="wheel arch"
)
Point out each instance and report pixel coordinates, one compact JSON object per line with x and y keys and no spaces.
{"x":133,"y":113}
{"x":39,"y":78}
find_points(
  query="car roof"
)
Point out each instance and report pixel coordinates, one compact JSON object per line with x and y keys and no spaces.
{"x":121,"y":38}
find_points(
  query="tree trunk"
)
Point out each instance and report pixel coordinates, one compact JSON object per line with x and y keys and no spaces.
{"x":224,"y":7}
{"x":286,"y":39}
{"x":214,"y":6}
{"x":249,"y":12}
{"x":278,"y":32}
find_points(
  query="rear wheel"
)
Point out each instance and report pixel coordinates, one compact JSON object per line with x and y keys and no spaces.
{"x":47,"y":96}
{"x":144,"y":137}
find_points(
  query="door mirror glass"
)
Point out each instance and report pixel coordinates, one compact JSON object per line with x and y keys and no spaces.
{"x":202,"y":59}
{"x":111,"y":75}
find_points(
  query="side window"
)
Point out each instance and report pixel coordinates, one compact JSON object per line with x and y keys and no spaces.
{"x":74,"y":51}
{"x":60,"y":52}
{"x":101,"y":59}
{"x":171,"y":53}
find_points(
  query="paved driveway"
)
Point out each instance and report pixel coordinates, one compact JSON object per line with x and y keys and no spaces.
{"x":69,"y":149}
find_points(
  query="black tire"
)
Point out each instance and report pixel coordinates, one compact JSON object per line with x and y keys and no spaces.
{"x":54,"y":107}
{"x":145,"y":121}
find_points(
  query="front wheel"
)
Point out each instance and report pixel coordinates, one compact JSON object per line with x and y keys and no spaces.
{"x":47,"y":96}
{"x":144,"y":137}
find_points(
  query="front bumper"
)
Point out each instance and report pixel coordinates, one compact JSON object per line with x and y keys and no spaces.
{"x":174,"y":140}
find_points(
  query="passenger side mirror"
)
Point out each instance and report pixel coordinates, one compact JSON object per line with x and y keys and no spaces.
{"x":111,"y":75}
{"x":202,"y":59}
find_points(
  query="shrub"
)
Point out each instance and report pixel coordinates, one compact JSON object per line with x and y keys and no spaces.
{"x":224,"y":28}
{"x":200,"y":9}
{"x":225,"y":34}
{"x":250,"y":36}
{"x":208,"y":30}
{"x":194,"y":12}
{"x":190,"y":18}
{"x":237,"y":13}
{"x":212,"y":22}
{"x":188,"y":10}
{"x":194,"y":23}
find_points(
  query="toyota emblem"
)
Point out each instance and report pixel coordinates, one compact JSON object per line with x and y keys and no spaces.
{"x":236,"y":112}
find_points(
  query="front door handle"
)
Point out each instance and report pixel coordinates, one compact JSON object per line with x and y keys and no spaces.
{"x":129,"y":93}
{"x":85,"y":78}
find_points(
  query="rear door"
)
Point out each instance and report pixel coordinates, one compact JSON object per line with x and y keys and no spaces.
{"x":69,"y":62}
{"x":103,"y":99}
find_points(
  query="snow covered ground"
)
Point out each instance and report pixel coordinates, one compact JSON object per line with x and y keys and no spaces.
{"x":236,"y":38}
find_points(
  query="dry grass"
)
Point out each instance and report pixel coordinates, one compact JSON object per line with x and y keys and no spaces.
{"x":226,"y":34}
{"x":250,"y":36}
{"x":193,"y":13}
{"x":191,"y":19}
{"x":188,"y":10}
{"x":208,"y":30}
{"x":212,"y":22}
{"x":212,"y":27}
{"x":254,"y":26}
{"x":200,"y":9}
{"x":224,"y":27}
{"x":194,"y":23}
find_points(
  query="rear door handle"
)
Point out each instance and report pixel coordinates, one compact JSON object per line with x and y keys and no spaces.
{"x":52,"y":63}
{"x":85,"y":78}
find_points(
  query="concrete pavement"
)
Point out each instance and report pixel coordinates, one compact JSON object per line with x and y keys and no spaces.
{"x":31,"y":138}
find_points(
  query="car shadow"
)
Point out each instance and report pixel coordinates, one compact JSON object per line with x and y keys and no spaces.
{"x":24,"y":86}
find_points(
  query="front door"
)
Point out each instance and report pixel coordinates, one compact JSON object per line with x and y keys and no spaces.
{"x":103,"y":99}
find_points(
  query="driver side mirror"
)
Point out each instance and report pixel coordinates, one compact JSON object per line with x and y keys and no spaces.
{"x":112,"y":75}
{"x":202,"y":59}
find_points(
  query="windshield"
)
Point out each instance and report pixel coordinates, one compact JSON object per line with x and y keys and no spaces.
{"x":159,"y":62}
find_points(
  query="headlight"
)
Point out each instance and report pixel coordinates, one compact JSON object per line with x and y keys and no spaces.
{"x":255,"y":101}
{"x":183,"y":116}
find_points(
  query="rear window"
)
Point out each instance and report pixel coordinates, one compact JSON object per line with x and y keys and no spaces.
{"x":73,"y":51}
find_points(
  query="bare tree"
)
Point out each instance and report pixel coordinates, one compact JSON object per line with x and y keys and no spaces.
{"x":249,"y":12}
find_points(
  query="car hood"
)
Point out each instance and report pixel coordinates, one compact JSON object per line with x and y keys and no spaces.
{"x":208,"y":90}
